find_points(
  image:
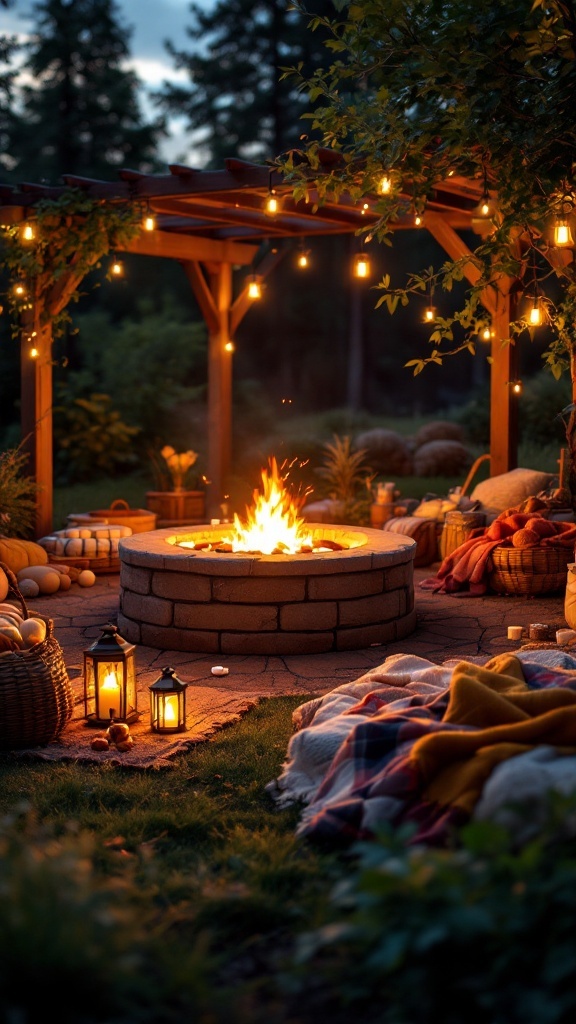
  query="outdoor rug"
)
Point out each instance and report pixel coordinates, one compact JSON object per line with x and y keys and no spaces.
{"x":208,"y":710}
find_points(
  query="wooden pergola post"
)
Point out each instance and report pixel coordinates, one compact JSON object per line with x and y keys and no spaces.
{"x":503,"y":372}
{"x":36,"y":412}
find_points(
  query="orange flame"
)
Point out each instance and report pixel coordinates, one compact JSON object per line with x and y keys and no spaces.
{"x":273,"y":523}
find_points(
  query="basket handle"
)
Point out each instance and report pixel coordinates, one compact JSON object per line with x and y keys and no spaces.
{"x":14,"y":588}
{"x":119,"y":503}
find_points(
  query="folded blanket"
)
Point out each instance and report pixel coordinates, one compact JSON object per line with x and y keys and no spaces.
{"x":425,"y":758}
{"x":464,"y":571}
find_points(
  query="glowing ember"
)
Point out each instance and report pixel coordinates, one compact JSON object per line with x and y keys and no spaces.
{"x":272,"y":525}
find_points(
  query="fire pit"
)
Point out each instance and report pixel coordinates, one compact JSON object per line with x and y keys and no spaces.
{"x":269,"y":584}
{"x":217,"y":602}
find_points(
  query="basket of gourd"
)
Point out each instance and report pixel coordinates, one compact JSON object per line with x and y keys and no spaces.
{"x":36,"y":699}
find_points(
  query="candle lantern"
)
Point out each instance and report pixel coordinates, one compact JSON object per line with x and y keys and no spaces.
{"x":168,"y":703}
{"x":110,"y":679}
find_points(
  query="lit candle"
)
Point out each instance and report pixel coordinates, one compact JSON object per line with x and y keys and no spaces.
{"x":170,"y":709}
{"x":109,"y":695}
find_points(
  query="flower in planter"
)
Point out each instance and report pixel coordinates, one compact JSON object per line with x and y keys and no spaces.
{"x":178,"y":463}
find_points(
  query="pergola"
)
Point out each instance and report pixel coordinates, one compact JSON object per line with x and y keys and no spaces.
{"x":214,"y":223}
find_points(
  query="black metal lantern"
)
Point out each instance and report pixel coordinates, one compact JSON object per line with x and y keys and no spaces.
{"x":168,"y":703}
{"x":110,"y":679}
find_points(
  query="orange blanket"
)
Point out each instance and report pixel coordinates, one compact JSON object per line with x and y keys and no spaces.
{"x":465,"y":569}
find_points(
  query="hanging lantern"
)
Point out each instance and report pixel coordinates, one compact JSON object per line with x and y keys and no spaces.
{"x":272,"y":204}
{"x":385,"y":185}
{"x":361,"y":267}
{"x":168,"y":703}
{"x":486,"y":333}
{"x":516,"y":386}
{"x":429,"y":314}
{"x":110,"y":679}
{"x":28,"y":232}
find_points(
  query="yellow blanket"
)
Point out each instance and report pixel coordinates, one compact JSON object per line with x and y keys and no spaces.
{"x":507,"y":719}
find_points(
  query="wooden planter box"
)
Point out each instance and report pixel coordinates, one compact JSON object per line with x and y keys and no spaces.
{"x":177,"y":508}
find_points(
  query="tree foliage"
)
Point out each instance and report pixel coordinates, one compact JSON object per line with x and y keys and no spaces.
{"x":237,"y":103}
{"x":427,"y":90}
{"x":78,"y":110}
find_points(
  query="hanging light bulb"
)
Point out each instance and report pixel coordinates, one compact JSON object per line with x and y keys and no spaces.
{"x":516,"y":386}
{"x":361,"y":267}
{"x":303,"y":257}
{"x":385,"y":185}
{"x":486,"y":333}
{"x":272,"y":204}
{"x":254,"y":288}
{"x":562,"y":233}
{"x":117,"y":267}
{"x":229,"y":346}
{"x":430,"y":311}
{"x":149,"y":222}
{"x":417,"y":220}
{"x":535,"y":317}
{"x":28,"y":232}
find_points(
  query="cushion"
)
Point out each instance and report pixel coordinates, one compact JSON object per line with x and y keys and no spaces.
{"x":510,"y":489}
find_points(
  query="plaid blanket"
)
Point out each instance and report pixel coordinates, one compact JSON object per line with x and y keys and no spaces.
{"x":425,"y":758}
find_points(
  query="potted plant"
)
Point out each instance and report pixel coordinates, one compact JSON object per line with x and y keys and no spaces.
{"x":179,"y":500}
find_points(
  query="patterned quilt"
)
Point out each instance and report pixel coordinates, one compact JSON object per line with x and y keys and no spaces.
{"x":432,"y":746}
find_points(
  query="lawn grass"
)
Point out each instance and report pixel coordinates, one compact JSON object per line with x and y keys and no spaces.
{"x":196,"y":862}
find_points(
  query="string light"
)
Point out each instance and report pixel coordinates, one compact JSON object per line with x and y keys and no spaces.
{"x":149,"y":222}
{"x":385,"y":185}
{"x":430,"y":311}
{"x":515,"y":386}
{"x":254,"y":288}
{"x":117,"y":267}
{"x":28,"y":232}
{"x":272,"y":204}
{"x":562,"y":235}
{"x":361,"y":268}
{"x":302,"y":256}
{"x":534,"y":316}
{"x":19,"y":289}
{"x":487,"y":333}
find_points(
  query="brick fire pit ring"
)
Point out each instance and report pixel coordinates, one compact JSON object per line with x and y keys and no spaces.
{"x":213,"y":602}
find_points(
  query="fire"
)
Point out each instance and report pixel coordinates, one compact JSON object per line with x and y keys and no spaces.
{"x":273,"y":523}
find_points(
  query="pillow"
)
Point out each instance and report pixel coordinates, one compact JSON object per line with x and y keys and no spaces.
{"x":510,"y":489}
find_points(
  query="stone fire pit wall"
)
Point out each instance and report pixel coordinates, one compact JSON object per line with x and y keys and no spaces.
{"x":179,"y":599}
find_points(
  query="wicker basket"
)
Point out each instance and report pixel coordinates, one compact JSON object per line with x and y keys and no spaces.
{"x":36,"y":699}
{"x":537,"y":570}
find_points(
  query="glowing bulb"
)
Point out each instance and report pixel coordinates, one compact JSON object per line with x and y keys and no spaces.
{"x":254,"y":289}
{"x":229,"y":346}
{"x":28,"y":232}
{"x":117,"y":268}
{"x":361,"y":265}
{"x":34,"y":352}
{"x":535,"y":314}
{"x":417,"y":220}
{"x":486,"y":333}
{"x":272,"y":204}
{"x":562,"y":234}
{"x":429,"y":314}
{"x":149,"y":222}
{"x":302,"y":260}
{"x":385,"y":186}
